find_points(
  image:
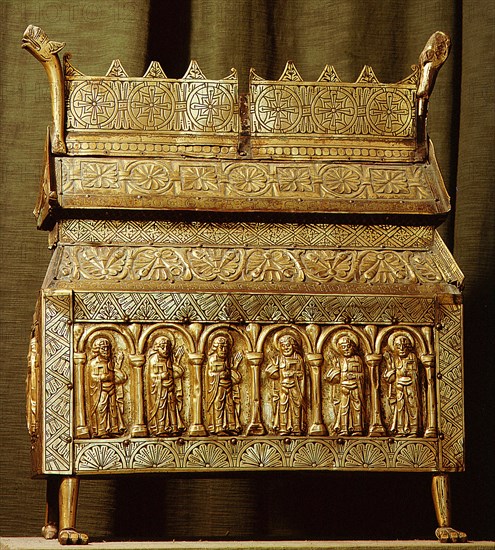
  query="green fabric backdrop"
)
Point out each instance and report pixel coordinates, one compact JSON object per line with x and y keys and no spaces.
{"x":263,"y":34}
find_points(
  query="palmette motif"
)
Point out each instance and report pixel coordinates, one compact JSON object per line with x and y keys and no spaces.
{"x":176,"y":264}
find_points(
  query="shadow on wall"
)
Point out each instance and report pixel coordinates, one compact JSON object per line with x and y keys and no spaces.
{"x":163,"y":30}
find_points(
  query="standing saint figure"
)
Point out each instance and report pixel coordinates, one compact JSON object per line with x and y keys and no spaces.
{"x":223,"y":401}
{"x":346,"y":374}
{"x":402,"y":374}
{"x":106,"y":393}
{"x":287,"y":372}
{"x":164,"y":375}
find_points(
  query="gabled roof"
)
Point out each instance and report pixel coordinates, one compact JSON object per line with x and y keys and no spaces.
{"x":288,"y":146}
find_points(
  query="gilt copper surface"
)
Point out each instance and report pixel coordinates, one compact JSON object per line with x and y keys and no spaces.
{"x":323,"y":333}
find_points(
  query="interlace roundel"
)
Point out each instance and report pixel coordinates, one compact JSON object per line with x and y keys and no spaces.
{"x":334,"y":110}
{"x":210,"y":107}
{"x":278,"y":109}
{"x":390,"y":112}
{"x":151,"y":106}
{"x":93,"y":104}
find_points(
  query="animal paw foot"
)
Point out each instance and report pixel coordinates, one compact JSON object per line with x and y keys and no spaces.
{"x":71,"y":536}
{"x":448,"y":534}
{"x":49,"y":531}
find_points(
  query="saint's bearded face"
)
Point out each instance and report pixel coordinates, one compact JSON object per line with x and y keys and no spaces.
{"x":287,"y":346}
{"x":103,"y":348}
{"x":402,"y":346}
{"x":163,"y":346}
{"x":221,"y":347}
{"x":346,"y":346}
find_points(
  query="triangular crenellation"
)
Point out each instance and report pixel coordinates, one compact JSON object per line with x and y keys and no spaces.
{"x":117,"y":70}
{"x":290,"y":73}
{"x":69,"y":69}
{"x":413,"y":78}
{"x":232,"y":75}
{"x":253,"y":76}
{"x":155,"y":71}
{"x":329,"y":74}
{"x":367,"y":75}
{"x":194,"y":72}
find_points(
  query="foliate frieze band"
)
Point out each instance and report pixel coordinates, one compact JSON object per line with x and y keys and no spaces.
{"x":250,"y":266}
{"x":243,"y":179}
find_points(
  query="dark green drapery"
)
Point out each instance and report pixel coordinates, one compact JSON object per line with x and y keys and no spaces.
{"x":264,"y":34}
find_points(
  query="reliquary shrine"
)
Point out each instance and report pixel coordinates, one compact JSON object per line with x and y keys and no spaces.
{"x":242,"y":282}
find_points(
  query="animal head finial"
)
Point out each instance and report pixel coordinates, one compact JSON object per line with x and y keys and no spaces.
{"x":431,"y":59}
{"x":36,"y":42}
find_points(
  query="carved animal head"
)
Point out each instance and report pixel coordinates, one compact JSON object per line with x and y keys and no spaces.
{"x":431,"y":59}
{"x":436,"y":50}
{"x":36,"y":42}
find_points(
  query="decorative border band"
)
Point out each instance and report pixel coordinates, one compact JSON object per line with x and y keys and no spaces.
{"x":203,"y":307}
{"x":256,"y":453}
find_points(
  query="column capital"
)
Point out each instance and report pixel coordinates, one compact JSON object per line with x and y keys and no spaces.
{"x":255,"y":358}
{"x":137,"y":359}
{"x":314,"y":359}
{"x":373,"y":359}
{"x":428,"y":360}
{"x":196,"y":358}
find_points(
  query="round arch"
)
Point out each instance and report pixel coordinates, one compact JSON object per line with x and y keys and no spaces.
{"x":221,"y":327}
{"x":330,"y":331}
{"x":416,"y":335}
{"x":121,"y":331}
{"x":267,"y":331}
{"x":160,"y":326}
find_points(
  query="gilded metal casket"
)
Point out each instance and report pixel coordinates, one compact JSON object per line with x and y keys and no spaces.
{"x":242,"y":281}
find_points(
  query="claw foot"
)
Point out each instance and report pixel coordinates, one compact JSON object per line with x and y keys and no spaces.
{"x":49,"y":531}
{"x":448,"y":534}
{"x":71,"y":536}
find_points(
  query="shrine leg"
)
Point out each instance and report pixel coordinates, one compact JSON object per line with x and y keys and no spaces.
{"x":67,"y":499}
{"x":441,"y":500}
{"x":50,"y":528}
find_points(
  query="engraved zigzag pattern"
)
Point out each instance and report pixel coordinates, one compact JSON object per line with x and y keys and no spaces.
{"x":451,"y":400}
{"x":118,"y":306}
{"x":57,"y":378}
{"x":244,"y":234}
